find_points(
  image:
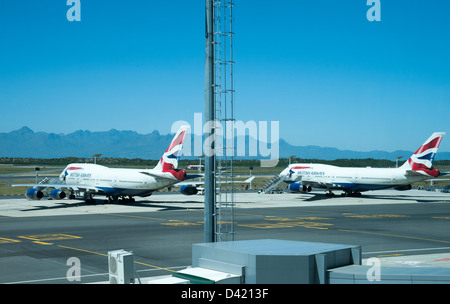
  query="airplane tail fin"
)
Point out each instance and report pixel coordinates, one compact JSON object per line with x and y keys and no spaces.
{"x":422,"y":160}
{"x":169,"y":160}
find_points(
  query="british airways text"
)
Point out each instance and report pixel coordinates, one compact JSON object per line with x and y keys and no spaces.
{"x":311,"y":173}
{"x":80,"y":175}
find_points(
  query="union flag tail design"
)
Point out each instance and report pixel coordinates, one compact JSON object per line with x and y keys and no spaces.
{"x":169,"y":160}
{"x":422,"y":161}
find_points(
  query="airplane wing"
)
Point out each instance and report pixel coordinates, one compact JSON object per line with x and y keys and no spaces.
{"x":193,"y":184}
{"x":326,"y":185}
{"x":323,"y":185}
{"x":199,"y":183}
{"x":190,"y":176}
{"x":60,"y":186}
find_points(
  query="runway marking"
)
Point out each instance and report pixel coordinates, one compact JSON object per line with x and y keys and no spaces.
{"x":137,"y":216}
{"x":442,"y":217}
{"x":286,"y":219}
{"x":180,"y":223}
{"x":42,"y":243}
{"x":376,"y":216}
{"x":5,"y":241}
{"x":290,"y":223}
{"x":153,"y":266}
{"x":394,"y":235}
{"x":88,"y":275}
{"x":408,"y":250}
{"x":102,"y":254}
{"x":40,"y":239}
{"x":267,"y":226}
{"x":175,"y":223}
{"x":389,"y":255}
{"x":83,"y":250}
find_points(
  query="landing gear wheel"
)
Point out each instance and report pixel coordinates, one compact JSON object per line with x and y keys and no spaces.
{"x":330,"y":194}
{"x":90,"y":200}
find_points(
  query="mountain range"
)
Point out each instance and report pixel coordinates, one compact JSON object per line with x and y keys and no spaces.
{"x":25,"y":143}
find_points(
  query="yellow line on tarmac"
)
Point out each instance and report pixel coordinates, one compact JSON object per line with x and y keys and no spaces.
{"x":389,"y":255}
{"x":397,"y":236}
{"x":102,"y":254}
{"x":136,"y":216}
{"x":83,"y":250}
{"x":42,"y":243}
{"x":153,"y":266}
{"x":5,"y":240}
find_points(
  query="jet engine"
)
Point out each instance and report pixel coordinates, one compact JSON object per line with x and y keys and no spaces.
{"x":57,"y":194}
{"x":298,"y":187}
{"x":34,"y":194}
{"x":295,"y":187}
{"x":188,"y":190}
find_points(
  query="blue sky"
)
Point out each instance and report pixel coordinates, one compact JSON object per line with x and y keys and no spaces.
{"x":320,"y":68}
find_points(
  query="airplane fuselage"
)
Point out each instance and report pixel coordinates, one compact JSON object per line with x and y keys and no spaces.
{"x":349,"y":179}
{"x":114,"y":181}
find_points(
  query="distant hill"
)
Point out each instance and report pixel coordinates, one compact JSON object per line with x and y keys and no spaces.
{"x":113,"y":143}
{"x":129,"y":144}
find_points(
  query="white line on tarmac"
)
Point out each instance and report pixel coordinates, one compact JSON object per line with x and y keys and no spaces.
{"x":88,"y":275}
{"x":406,"y":250}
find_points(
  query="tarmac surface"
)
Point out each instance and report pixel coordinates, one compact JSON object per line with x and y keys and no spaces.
{"x":39,"y":238}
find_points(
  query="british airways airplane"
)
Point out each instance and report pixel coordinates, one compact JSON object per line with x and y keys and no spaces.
{"x":88,"y":180}
{"x":353,"y":181}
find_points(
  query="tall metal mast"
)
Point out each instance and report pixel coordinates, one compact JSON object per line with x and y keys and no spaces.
{"x":210,"y":181}
{"x":224,"y":109}
{"x":219,"y":110}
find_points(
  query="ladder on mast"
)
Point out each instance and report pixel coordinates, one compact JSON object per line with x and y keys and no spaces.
{"x":224,"y":113}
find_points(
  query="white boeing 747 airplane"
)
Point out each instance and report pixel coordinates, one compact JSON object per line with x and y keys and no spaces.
{"x":88,"y":180}
{"x":353,"y":181}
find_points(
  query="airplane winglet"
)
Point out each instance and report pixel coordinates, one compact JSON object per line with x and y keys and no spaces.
{"x":192,"y":176}
{"x":248,"y":180}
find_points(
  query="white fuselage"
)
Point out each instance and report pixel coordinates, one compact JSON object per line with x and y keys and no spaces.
{"x":352,"y":179}
{"x":115,"y":182}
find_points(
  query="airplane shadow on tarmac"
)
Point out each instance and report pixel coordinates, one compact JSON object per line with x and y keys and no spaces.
{"x":164,"y":206}
{"x":422,"y":198}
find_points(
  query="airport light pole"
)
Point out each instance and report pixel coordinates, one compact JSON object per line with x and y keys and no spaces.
{"x":36,"y":169}
{"x":291,"y":158}
{"x":95,"y":156}
{"x":396,"y":161}
{"x":200,"y":165}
